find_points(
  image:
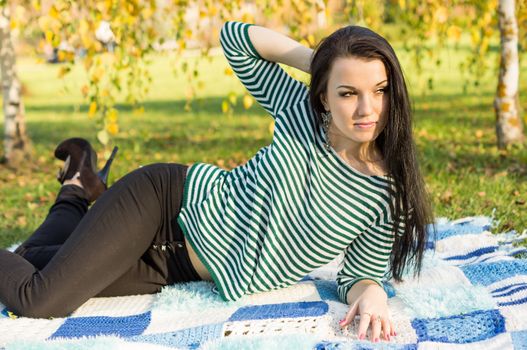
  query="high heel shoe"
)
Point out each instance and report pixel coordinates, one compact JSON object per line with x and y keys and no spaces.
{"x":80,"y":158}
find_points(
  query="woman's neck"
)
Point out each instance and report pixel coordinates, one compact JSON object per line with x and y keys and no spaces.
{"x":364,"y":157}
{"x":365,"y":152}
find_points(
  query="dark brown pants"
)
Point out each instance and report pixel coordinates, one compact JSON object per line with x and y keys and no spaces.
{"x":128,"y":243}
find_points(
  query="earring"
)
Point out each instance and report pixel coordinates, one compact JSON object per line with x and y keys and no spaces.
{"x":326,"y":120}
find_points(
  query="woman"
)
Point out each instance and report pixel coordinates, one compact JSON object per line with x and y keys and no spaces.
{"x":340,"y":175}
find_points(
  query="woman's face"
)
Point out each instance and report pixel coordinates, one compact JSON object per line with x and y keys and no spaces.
{"x":357,"y":97}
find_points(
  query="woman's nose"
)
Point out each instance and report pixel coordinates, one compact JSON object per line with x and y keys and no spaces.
{"x":365,"y":107}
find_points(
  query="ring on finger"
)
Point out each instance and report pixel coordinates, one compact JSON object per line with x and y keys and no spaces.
{"x":378,"y":319}
{"x":366,"y":313}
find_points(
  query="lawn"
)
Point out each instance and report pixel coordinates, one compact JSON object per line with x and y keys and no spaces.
{"x":455,"y":133}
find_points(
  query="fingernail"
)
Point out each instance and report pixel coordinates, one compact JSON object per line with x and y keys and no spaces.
{"x":361,"y":336}
{"x":376,"y":340}
{"x":342,"y":321}
{"x":388,"y":337}
{"x":394,"y":333}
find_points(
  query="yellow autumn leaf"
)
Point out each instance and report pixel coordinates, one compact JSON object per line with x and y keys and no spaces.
{"x":112,"y":115}
{"x":311,"y":40}
{"x":103,"y":137}
{"x":213,"y":10}
{"x":232,"y":98}
{"x":304,"y":42}
{"x":182,"y":44}
{"x":49,"y":36}
{"x":454,"y":32}
{"x":475,"y":36}
{"x":505,"y":107}
{"x":88,"y":61}
{"x":105,"y":93}
{"x":93,"y":109}
{"x":247,"y":18}
{"x":247,"y":101}
{"x":61,"y":55}
{"x":97,"y":75}
{"x":112,"y":128}
{"x":147,"y":13}
{"x":225,"y":106}
{"x":36,"y":5}
{"x":84,"y":27}
{"x":53,"y":13}
{"x":228,"y":71}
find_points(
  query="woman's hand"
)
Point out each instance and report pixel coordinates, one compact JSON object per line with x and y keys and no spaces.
{"x":367,"y":299}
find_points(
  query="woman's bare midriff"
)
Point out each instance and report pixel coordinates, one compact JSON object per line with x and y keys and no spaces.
{"x":197,"y":264}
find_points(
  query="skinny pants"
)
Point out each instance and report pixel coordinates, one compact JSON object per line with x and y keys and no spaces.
{"x":127,"y":243}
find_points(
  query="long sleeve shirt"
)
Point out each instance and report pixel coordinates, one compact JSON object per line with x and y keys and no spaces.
{"x":294,"y":206}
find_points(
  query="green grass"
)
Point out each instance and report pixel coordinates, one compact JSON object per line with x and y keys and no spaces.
{"x":464,"y":172}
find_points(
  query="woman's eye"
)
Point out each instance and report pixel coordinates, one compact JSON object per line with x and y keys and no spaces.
{"x":347,"y":94}
{"x":382,"y":91}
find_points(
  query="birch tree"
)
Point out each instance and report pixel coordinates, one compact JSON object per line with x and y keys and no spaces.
{"x":509,"y":126}
{"x":16,"y":142}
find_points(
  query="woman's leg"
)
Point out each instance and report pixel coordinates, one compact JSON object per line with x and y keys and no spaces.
{"x":63,"y":217}
{"x":108,"y":242}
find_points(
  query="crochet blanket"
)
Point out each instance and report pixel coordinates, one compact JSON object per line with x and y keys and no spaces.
{"x":472,"y":294}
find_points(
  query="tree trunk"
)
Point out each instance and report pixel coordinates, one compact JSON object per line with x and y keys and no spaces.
{"x":16,"y":143}
{"x":509,"y":126}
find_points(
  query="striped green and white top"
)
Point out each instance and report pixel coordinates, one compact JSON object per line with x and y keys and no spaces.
{"x":291,"y":208}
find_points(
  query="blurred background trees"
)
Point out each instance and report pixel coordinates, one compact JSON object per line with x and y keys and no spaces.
{"x":115,"y":39}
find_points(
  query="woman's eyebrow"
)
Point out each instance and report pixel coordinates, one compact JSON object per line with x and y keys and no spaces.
{"x":354,"y":88}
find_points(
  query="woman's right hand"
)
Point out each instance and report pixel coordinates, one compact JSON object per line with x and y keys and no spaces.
{"x":367,"y":299}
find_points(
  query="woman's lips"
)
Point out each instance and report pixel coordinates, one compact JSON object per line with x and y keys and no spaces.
{"x":365,"y":125}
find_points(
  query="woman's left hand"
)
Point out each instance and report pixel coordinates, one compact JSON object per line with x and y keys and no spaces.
{"x":368,"y":299}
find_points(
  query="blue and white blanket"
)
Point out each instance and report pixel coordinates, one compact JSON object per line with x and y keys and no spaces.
{"x":472,"y":294}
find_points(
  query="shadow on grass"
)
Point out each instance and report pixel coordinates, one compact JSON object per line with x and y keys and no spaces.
{"x":202,"y":105}
{"x":50,"y":132}
{"x":442,"y":156}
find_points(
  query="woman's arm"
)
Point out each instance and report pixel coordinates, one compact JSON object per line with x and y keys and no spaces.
{"x":276,"y":47}
{"x":359,"y":282}
{"x":269,"y":84}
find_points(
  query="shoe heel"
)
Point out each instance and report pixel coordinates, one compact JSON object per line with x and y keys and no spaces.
{"x":105,"y":171}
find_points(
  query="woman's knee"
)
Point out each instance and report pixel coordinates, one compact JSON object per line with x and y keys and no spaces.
{"x":40,"y":306}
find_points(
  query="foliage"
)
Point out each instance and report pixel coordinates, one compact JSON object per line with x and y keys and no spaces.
{"x":119,"y":65}
{"x":115,"y":58}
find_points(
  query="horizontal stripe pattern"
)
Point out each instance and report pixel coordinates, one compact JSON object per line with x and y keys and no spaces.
{"x":291,"y":208}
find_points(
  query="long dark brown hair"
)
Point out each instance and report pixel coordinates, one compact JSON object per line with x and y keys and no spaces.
{"x":410,"y":205}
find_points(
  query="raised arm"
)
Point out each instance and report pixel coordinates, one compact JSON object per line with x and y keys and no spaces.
{"x":276,"y":47}
{"x":254,"y":53}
